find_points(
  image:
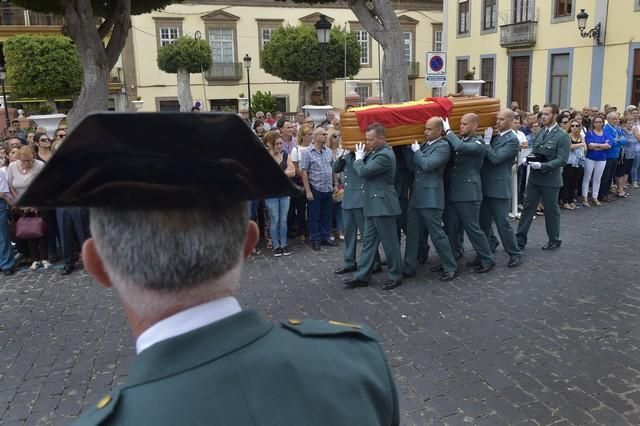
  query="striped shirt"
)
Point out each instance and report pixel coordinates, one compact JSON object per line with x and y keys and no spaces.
{"x":318,"y":163}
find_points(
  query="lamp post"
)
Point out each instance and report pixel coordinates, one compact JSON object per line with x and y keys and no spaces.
{"x":323,"y":31}
{"x":3,"y":75}
{"x":198,"y":36}
{"x":247,"y":65}
{"x":593,"y":33}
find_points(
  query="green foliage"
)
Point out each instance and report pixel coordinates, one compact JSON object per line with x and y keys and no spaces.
{"x":187,"y":53}
{"x":42,"y":66}
{"x":101,"y":8}
{"x":294,"y":54}
{"x":263,"y":101}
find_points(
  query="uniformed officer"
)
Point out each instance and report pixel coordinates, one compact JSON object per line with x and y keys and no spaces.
{"x":501,"y":151}
{"x":464,"y":188}
{"x":381,"y":207}
{"x":170,"y":237}
{"x":552,"y":145}
{"x":427,"y":200}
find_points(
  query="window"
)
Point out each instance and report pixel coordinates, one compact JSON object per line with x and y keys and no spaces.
{"x":169,"y":106}
{"x":168,"y":35}
{"x":363,"y":92}
{"x":523,"y":11}
{"x":224,"y":105}
{"x":222,"y":48}
{"x":462,"y":66}
{"x":437,"y":91}
{"x":463,"y":17}
{"x":265,"y":36}
{"x":487,"y":70}
{"x":363,"y":38}
{"x":563,"y":8}
{"x":282,"y":102}
{"x":408,"y":46}
{"x":266,"y":28}
{"x":559,"y":82}
{"x":437,"y":38}
{"x":489,"y":14}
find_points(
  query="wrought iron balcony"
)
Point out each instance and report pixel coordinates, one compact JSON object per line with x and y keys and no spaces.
{"x":18,"y":16}
{"x":224,"y":71}
{"x":413,"y":69}
{"x":518,"y":27}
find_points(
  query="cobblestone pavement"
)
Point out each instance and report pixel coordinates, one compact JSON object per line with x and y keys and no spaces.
{"x":555,"y":341}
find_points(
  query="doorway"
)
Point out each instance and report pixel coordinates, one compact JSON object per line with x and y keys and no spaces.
{"x":520,"y":67}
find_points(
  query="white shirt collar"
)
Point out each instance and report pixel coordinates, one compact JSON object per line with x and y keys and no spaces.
{"x":187,"y":320}
{"x":433,"y":141}
{"x":505,"y":132}
{"x":550,"y":128}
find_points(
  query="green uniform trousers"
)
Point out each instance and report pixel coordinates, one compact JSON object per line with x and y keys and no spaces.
{"x":454,"y":229}
{"x":532,"y":196}
{"x":465,"y":215}
{"x":417,"y":220}
{"x":353,"y":220}
{"x":497,"y":210}
{"x":380,"y":229}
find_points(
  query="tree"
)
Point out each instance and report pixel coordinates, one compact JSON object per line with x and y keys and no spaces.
{"x":51,"y":70}
{"x":380,"y":20}
{"x":263,"y":101}
{"x":88,"y":23}
{"x":294,"y":54}
{"x":184,"y":57}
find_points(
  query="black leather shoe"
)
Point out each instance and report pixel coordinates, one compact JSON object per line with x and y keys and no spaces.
{"x":345,"y":270}
{"x":551,"y":245}
{"x":355,"y":282}
{"x":8,"y":272}
{"x":408,"y":275}
{"x":67,"y":269}
{"x":448,"y":276}
{"x":520,"y":245}
{"x":515,"y":262}
{"x":494,"y":246}
{"x":437,"y":268}
{"x":391,"y":284}
{"x":423,"y":259}
{"x":459,"y":255}
{"x":484,"y":269}
{"x":377,"y":269}
{"x":474,"y":262}
{"x":329,"y":243}
{"x":315,"y":245}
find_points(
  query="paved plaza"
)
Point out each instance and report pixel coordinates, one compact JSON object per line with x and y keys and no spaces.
{"x":555,"y":341}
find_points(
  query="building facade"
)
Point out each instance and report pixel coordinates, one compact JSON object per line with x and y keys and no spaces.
{"x":532,"y":52}
{"x":235,"y":29}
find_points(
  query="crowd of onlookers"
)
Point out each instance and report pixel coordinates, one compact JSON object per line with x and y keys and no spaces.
{"x":33,"y":237}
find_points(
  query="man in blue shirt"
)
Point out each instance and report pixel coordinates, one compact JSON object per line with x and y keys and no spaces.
{"x":615,"y":135}
{"x":317,"y":178}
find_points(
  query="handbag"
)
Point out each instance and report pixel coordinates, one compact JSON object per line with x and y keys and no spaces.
{"x":30,"y":227}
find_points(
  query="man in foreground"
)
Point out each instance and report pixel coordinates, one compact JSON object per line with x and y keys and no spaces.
{"x":171,"y":241}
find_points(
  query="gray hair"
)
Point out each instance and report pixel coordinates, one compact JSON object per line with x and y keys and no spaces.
{"x":169,"y":250}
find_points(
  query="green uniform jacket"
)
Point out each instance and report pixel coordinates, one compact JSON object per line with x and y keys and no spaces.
{"x":404,"y":177}
{"x":378,"y":171}
{"x":556,"y":146}
{"x":499,"y":157}
{"x":353,"y":184}
{"x":243,"y":370}
{"x":428,"y":186}
{"x":463,"y":174}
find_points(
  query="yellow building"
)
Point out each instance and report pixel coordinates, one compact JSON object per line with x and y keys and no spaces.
{"x":532,"y":52}
{"x":234,"y":29}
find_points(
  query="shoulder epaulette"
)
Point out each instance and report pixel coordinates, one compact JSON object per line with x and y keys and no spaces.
{"x":311,"y":328}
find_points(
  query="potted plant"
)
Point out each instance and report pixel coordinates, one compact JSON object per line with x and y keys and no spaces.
{"x":138,"y":103}
{"x":470,"y":86}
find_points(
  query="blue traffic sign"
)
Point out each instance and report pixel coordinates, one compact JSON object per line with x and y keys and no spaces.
{"x":436,"y":63}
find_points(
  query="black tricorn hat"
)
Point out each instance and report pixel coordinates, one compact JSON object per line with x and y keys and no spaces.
{"x":158,"y":161}
{"x":537,"y":157}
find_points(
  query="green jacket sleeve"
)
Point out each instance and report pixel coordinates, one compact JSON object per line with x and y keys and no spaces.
{"x":439,"y":157}
{"x":502,"y":153}
{"x":376,"y":165}
{"x":473,"y":148}
{"x":562,"y":155}
{"x":339,"y":165}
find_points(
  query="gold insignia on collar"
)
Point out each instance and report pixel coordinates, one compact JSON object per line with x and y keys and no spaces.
{"x":294,"y":322}
{"x":345,"y":324}
{"x":103,"y":402}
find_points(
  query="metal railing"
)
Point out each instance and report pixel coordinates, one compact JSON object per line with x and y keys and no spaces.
{"x":228,"y":71}
{"x":18,"y":16}
{"x":518,"y":27}
{"x":413,"y":69}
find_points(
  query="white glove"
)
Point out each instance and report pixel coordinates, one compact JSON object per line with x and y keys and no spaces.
{"x":535,"y":165}
{"x":359,"y":151}
{"x":445,"y":124}
{"x":488,"y":134}
{"x":415,"y":146}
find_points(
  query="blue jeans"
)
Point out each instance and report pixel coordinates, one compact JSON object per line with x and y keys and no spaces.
{"x":635,"y":167}
{"x":7,"y":260}
{"x":278,"y":210}
{"x":320,"y":216}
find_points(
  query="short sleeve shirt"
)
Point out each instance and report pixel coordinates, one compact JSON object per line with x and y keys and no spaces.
{"x":318,"y":163}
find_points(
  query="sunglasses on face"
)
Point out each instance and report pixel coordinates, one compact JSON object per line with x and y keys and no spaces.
{"x":575,"y":125}
{"x":44,"y":140}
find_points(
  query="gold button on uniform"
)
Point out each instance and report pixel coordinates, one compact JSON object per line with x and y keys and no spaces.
{"x":103,"y":402}
{"x":294,"y":322}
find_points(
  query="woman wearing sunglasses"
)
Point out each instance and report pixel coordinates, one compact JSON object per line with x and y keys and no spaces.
{"x":573,"y":171}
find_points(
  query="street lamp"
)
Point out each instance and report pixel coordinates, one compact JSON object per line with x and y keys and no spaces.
{"x":3,"y":75}
{"x":247,"y":65}
{"x":323,"y":31}
{"x":593,"y":33}
{"x":198,"y":36}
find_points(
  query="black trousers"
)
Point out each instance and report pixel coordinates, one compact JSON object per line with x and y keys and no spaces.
{"x":571,"y":177}
{"x":607,"y":177}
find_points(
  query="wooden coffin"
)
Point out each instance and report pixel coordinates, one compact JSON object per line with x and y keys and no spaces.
{"x":405,"y":134}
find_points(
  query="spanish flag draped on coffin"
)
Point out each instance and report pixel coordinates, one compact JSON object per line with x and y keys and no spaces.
{"x":404,"y":122}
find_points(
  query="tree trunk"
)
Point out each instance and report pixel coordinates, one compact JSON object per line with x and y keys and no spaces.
{"x":305,"y":89}
{"x":51,"y":103}
{"x":184,"y":90}
{"x":380,"y":20}
{"x":96,"y":59}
